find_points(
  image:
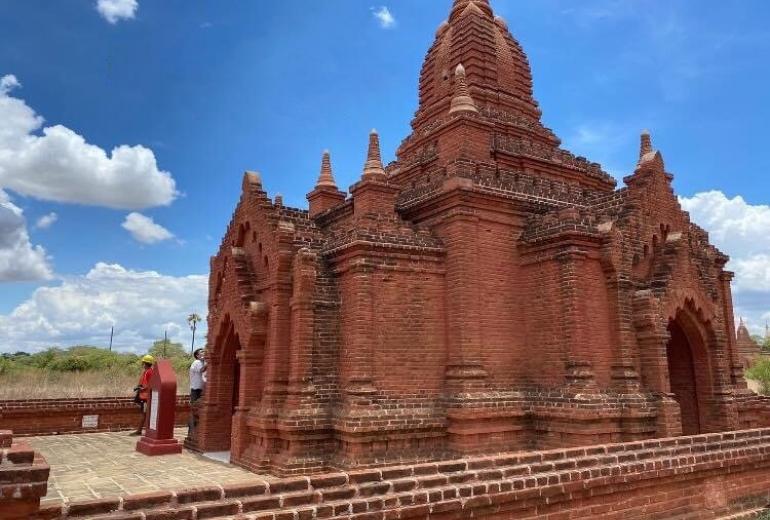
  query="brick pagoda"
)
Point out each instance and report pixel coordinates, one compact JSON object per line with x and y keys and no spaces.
{"x":488,"y":291}
{"x":749,"y":350}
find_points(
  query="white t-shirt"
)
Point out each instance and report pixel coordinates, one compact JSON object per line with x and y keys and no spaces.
{"x":196,"y":375}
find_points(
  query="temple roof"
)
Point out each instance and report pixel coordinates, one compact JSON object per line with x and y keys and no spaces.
{"x":497,"y":69}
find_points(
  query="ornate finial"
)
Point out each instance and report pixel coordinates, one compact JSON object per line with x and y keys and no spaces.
{"x":326,"y":178}
{"x":254,"y":178}
{"x":646,"y":145}
{"x":462,"y":100}
{"x":373,"y":166}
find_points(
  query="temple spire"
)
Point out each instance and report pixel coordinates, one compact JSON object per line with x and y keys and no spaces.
{"x":461,"y":5}
{"x":462,"y":100}
{"x":373,"y":167}
{"x":326,"y":179}
{"x":646,"y":145}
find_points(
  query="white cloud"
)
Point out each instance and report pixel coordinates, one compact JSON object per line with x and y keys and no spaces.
{"x":145,"y":230}
{"x":384,"y":17}
{"x":61,"y":166}
{"x":8,"y":83}
{"x":46,"y":221}
{"x":81,"y":310}
{"x":116,"y":10}
{"x":19,"y":259}
{"x":740,"y":230}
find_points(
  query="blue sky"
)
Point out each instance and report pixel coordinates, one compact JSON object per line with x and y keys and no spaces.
{"x":210,"y":89}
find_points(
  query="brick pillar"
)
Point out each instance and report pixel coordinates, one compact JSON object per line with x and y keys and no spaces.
{"x":625,"y":366}
{"x":276,"y":358}
{"x":575,"y":334}
{"x":249,"y":390}
{"x":358,"y":338}
{"x":302,"y":316}
{"x":652,"y":339}
{"x":465,"y":371}
{"x":736,"y":366}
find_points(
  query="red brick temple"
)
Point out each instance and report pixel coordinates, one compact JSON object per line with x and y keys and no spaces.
{"x":487,"y":291}
{"x":748,"y":350}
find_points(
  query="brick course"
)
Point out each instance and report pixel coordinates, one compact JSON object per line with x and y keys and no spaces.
{"x":715,"y":476}
{"x":58,"y":416}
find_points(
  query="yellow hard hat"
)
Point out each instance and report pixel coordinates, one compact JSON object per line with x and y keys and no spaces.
{"x":148,"y":359}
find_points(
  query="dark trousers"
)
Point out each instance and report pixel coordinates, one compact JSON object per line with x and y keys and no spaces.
{"x":195,"y":394}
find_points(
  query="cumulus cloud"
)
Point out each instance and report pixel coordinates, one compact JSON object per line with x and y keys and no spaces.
{"x":145,"y":230}
{"x":19,"y":259}
{"x":81,"y":310}
{"x":116,"y":10}
{"x":55,"y":163}
{"x":47,"y":221}
{"x":384,"y":17}
{"x":740,"y":230}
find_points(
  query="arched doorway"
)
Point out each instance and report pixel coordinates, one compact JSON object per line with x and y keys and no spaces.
{"x":222,"y":393}
{"x":689,"y":373}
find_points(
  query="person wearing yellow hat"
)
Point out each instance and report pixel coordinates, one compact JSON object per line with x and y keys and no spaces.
{"x":143,"y":390}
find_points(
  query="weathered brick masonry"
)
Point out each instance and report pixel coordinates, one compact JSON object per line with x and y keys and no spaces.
{"x":488,"y":291}
{"x":58,"y":416}
{"x":23,"y":479}
{"x":715,"y":476}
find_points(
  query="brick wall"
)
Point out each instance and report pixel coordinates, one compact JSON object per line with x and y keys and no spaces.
{"x":23,"y":479}
{"x":58,"y":416}
{"x":710,"y":476}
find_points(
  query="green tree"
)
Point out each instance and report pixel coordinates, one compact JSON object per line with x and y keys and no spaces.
{"x":167,"y":349}
{"x":193,"y":319}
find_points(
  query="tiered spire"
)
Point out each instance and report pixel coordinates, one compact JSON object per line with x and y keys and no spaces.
{"x":326,"y":179}
{"x":462,"y":100}
{"x":461,"y":5}
{"x":373,"y":167}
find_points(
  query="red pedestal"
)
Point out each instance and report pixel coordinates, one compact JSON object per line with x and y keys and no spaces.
{"x":159,"y":428}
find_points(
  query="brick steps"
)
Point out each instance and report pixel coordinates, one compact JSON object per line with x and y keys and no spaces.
{"x":514,"y":483}
{"x":23,"y":478}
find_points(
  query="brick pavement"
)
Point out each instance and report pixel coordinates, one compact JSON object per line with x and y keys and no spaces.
{"x":101,"y":465}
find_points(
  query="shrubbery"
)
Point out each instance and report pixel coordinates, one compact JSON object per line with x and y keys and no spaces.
{"x":85,"y":358}
{"x":760,"y":372}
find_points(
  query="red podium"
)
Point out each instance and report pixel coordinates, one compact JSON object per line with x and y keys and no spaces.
{"x":159,"y":428}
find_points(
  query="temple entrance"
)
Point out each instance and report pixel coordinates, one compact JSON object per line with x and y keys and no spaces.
{"x":687,"y":368}
{"x":223,"y":389}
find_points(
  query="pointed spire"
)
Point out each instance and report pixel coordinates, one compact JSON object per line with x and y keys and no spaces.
{"x":481,"y":6}
{"x":462,"y":100}
{"x":326,"y":178}
{"x":373,"y":166}
{"x":646,"y":144}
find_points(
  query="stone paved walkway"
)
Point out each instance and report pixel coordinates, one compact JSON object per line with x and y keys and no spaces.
{"x":101,"y":465}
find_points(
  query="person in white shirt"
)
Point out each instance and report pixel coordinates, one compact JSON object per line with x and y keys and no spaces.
{"x":197,"y":383}
{"x":197,"y":375}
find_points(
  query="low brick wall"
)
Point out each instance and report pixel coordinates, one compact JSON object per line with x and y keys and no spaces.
{"x":23,"y":479}
{"x":715,"y":476}
{"x":58,"y":416}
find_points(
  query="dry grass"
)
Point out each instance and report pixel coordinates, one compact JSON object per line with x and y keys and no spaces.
{"x":46,"y":384}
